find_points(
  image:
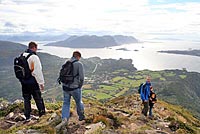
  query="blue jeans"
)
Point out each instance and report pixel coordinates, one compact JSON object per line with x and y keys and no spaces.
{"x":150,"y":110}
{"x":77,"y":95}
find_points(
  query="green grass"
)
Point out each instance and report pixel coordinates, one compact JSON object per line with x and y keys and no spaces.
{"x":155,"y":75}
{"x":88,"y":91}
{"x":162,"y":79}
{"x":101,"y":96}
{"x":117,"y":79}
{"x":126,"y":81}
{"x":120,"y":71}
{"x":182,"y":76}
{"x":53,"y":106}
{"x":138,"y":77}
{"x":169,"y":74}
{"x":122,"y":92}
{"x":107,"y":87}
{"x":97,"y":94}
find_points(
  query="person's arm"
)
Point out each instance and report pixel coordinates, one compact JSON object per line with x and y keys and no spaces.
{"x":37,"y":71}
{"x":81,"y":75}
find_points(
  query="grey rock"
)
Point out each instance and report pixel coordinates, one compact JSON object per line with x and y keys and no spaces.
{"x":10,"y":116}
{"x":92,"y":128}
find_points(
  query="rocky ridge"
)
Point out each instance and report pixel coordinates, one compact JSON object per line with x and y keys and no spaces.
{"x":121,"y":115}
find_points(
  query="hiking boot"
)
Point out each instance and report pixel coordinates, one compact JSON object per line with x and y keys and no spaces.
{"x":150,"y":117}
{"x":28,"y":119}
{"x":41,"y":113}
{"x":81,"y":118}
{"x":62,"y":125}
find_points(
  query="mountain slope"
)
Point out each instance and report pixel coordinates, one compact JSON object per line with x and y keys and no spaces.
{"x":120,"y":39}
{"x":94,"y":41}
{"x":121,"y":115}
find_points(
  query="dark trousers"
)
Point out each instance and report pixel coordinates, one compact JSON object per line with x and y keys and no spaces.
{"x":145,"y":108}
{"x":29,"y":90}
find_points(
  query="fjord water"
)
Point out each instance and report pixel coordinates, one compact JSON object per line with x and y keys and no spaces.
{"x":144,"y":55}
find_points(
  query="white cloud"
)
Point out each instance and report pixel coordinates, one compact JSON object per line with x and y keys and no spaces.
{"x":116,"y":16}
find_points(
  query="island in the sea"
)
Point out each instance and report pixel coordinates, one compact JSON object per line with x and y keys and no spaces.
{"x":183,"y":52}
{"x":94,"y":41}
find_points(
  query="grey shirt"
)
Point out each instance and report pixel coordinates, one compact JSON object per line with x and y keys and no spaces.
{"x":79,"y":73}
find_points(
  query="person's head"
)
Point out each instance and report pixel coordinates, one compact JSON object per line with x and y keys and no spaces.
{"x":32,"y":46}
{"x":77,"y":55}
{"x":148,"y":79}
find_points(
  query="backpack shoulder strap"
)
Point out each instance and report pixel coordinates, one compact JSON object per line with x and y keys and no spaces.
{"x":144,"y":85}
{"x":28,"y":56}
{"x":77,"y":73}
{"x":74,"y":61}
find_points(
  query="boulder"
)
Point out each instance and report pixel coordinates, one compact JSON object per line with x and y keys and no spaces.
{"x":10,"y":116}
{"x":18,"y":101}
{"x":92,"y":128}
{"x":54,"y":118}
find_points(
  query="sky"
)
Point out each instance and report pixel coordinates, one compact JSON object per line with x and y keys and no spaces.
{"x":144,"y":19}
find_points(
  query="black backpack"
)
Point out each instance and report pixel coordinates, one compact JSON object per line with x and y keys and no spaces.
{"x":21,"y":67}
{"x":67,"y":73}
{"x":141,"y":87}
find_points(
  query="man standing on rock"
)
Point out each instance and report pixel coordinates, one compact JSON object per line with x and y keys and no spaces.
{"x":144,"y":94}
{"x":72,"y":89}
{"x":32,"y":85}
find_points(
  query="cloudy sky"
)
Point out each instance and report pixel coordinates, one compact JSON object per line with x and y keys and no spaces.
{"x":144,"y":19}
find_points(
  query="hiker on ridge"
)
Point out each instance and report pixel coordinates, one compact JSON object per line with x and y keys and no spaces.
{"x":72,"y":87}
{"x":144,"y":94}
{"x":34,"y":82}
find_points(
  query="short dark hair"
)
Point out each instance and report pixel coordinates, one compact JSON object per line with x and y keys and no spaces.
{"x":32,"y":45}
{"x":76,"y":54}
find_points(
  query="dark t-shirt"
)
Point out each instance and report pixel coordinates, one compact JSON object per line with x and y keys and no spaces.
{"x":152,"y":98}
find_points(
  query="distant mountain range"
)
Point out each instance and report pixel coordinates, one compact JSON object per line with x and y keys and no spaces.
{"x":93,"y":41}
{"x":33,"y":37}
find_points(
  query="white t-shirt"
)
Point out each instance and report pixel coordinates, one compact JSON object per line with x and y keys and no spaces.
{"x":35,"y":67}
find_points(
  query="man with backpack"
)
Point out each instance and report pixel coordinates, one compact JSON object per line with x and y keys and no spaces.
{"x":144,"y":94}
{"x":28,"y":70}
{"x":72,"y":78}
